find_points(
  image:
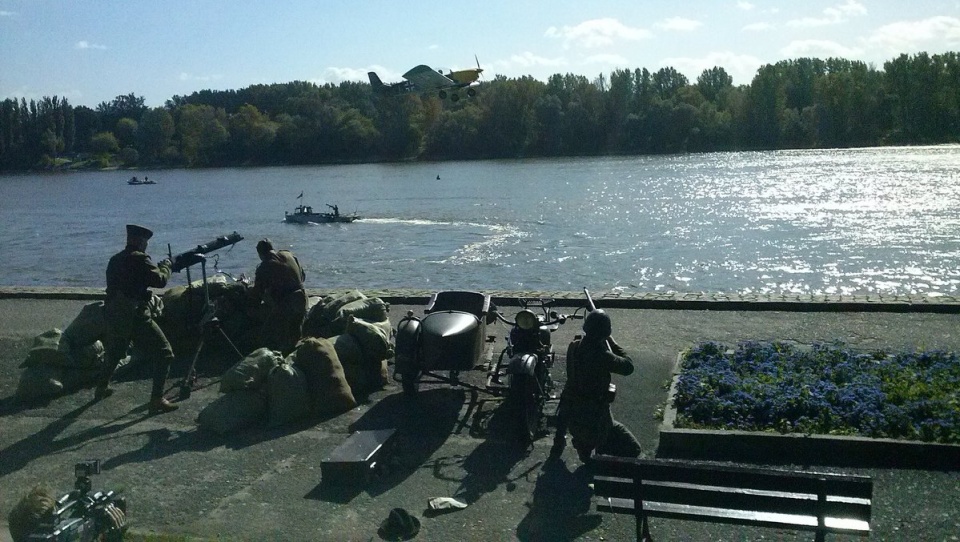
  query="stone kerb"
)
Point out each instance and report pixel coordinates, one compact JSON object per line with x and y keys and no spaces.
{"x":796,"y":449}
{"x":608,"y":300}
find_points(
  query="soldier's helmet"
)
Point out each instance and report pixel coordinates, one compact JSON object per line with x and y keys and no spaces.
{"x":597,"y":324}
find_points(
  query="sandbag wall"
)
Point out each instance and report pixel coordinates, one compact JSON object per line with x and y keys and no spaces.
{"x":343,"y":354}
{"x":66,"y":360}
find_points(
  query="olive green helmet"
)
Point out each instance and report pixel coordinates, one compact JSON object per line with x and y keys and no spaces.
{"x":597,"y":324}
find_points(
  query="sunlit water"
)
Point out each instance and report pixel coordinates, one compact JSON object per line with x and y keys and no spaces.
{"x":884,"y":220}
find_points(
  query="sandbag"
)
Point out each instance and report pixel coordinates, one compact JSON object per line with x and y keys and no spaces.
{"x":326,"y":383}
{"x":88,"y":358}
{"x":250,"y":372}
{"x":351,"y":358}
{"x":89,"y":326}
{"x":371,"y":309}
{"x":374,"y":338}
{"x":39,"y":381}
{"x":287,"y":397}
{"x":320,"y":319}
{"x":74,"y":378}
{"x":233,"y":411}
{"x":46,"y":350}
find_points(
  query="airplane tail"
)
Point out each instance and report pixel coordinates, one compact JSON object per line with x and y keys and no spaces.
{"x":375,"y":81}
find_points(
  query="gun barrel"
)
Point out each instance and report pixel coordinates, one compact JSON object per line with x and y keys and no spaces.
{"x":192,"y":256}
{"x":590,"y":302}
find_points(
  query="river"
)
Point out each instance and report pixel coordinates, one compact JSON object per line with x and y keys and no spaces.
{"x":857,"y":221}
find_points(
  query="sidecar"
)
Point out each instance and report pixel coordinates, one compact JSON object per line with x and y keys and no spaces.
{"x":449,"y":337}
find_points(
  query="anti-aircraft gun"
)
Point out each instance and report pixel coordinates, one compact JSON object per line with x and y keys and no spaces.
{"x":84,"y":515}
{"x":208,"y":318}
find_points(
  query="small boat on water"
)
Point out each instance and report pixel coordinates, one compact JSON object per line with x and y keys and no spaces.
{"x":136,"y":180}
{"x":303,"y":214}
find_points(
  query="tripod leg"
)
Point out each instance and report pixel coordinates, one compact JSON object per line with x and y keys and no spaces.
{"x":186,"y":387}
{"x":227,"y":338}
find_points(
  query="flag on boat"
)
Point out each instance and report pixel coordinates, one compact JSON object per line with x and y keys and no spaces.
{"x":300,"y":196}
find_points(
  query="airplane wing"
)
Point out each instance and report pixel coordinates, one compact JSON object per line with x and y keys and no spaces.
{"x":427,"y":78}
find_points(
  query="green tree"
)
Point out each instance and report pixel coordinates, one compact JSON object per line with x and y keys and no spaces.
{"x":126,"y":132}
{"x":104,"y":143}
{"x":252,"y":135}
{"x":155,"y":134}
{"x":203,"y":134}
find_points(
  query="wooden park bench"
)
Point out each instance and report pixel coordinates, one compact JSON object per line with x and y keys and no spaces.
{"x":808,"y":501}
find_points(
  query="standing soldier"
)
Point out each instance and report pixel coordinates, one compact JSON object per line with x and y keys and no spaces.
{"x":278,"y":283}
{"x":585,"y":402}
{"x":130,"y":274}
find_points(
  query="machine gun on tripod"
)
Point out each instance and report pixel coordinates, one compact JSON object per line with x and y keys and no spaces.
{"x":208,"y":313}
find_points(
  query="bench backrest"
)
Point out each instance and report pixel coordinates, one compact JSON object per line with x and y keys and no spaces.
{"x":822,"y":502}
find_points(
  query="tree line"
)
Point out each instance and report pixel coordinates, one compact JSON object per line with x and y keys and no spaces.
{"x":800,"y":103}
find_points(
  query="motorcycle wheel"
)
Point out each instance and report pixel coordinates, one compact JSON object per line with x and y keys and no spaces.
{"x":528,"y":406}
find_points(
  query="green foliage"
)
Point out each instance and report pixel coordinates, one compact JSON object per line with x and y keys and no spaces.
{"x":799,"y":103}
{"x":104,"y":143}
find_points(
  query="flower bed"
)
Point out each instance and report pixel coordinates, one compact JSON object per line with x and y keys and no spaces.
{"x":823,"y":389}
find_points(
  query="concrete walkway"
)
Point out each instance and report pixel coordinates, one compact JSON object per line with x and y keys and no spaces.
{"x":264,"y":484}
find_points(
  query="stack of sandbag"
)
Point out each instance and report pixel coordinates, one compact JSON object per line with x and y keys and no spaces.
{"x":327,"y":388}
{"x":49,"y":371}
{"x":261,"y":386}
{"x":184,"y":308}
{"x":86,"y":329}
{"x":360,"y":330}
{"x":325,"y":318}
{"x":244,"y":399}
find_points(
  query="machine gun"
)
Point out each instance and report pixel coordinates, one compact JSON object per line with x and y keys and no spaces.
{"x":208,"y":318}
{"x":83,"y":515}
{"x":195,"y":255}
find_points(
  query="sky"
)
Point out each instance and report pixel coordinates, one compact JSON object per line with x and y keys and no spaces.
{"x":91,"y":51}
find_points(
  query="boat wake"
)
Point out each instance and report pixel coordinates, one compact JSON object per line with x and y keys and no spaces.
{"x":489,"y":246}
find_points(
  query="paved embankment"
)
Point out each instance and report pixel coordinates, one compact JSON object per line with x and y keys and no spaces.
{"x":265,"y":484}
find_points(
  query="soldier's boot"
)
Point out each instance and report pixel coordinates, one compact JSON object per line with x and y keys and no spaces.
{"x":160,"y":405}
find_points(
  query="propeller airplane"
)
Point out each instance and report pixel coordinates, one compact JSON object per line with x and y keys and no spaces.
{"x":425,"y":79}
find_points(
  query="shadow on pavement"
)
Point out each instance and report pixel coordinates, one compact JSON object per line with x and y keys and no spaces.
{"x":561,"y":502}
{"x":423,"y":424}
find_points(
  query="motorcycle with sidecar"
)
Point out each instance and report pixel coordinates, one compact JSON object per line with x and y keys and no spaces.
{"x":450,"y":338}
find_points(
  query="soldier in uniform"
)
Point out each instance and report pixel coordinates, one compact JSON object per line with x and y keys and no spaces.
{"x":278,"y":283}
{"x":585,"y":402}
{"x":126,"y":309}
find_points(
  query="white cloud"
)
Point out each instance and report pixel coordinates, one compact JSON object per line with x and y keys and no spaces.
{"x":745,"y":6}
{"x":679,"y":24}
{"x":88,"y":45}
{"x":741,"y":68}
{"x":832,"y":15}
{"x":757,"y":27}
{"x":910,"y":36}
{"x":184,"y":76}
{"x":7,"y":13}
{"x":819,"y":49}
{"x":528,"y":60}
{"x":335,"y":75}
{"x":606,"y":60}
{"x":597,"y":33}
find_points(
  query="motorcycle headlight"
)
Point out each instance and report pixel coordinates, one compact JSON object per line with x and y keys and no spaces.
{"x":527,"y":320}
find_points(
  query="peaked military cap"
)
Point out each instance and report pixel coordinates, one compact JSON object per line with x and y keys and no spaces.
{"x":138,"y":231}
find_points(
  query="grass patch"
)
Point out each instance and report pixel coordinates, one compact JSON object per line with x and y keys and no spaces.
{"x":820,"y":389}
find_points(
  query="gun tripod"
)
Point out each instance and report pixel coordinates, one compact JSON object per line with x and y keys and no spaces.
{"x":208,"y":321}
